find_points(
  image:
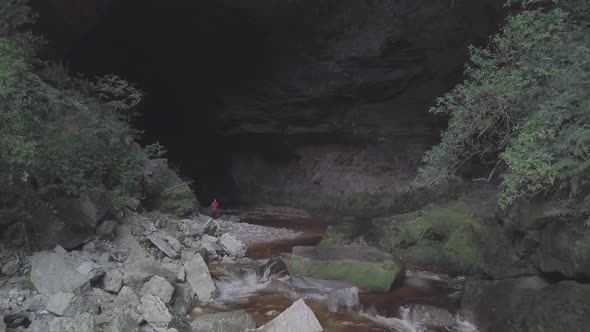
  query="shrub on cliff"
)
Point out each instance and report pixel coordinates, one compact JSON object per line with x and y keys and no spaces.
{"x":524,"y":109}
{"x":61,"y":135}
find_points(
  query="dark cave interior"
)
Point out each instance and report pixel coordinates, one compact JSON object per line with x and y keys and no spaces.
{"x":211,"y":69}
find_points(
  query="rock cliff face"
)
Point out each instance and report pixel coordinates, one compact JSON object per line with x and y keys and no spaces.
{"x":346,"y":101}
{"x":324,"y":97}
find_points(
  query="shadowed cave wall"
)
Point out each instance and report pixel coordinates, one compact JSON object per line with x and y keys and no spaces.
{"x":255,"y":97}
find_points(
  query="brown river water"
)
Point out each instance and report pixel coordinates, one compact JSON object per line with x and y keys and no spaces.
{"x":240,"y":289}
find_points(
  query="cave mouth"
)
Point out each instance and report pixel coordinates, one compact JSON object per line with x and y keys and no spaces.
{"x":313,"y":96}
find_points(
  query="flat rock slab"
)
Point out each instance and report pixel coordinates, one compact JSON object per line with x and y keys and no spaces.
{"x":167,"y":244}
{"x":365,"y":267}
{"x":232,"y":321}
{"x":155,"y":311}
{"x":234,"y":248}
{"x":198,"y":276}
{"x":51,"y":273}
{"x":159,"y":287}
{"x":124,"y":240}
{"x":297,"y":318}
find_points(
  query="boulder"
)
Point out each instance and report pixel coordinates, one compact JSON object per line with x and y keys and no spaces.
{"x":159,"y":287}
{"x":181,"y":275}
{"x":233,"y":247}
{"x":198,"y":276}
{"x":127,"y":303}
{"x":126,"y":241}
{"x":139,"y":271}
{"x":11,"y":267}
{"x":81,"y":323}
{"x":121,"y":323}
{"x":155,"y":311}
{"x":89,"y":247}
{"x":167,"y":244}
{"x":448,"y":236}
{"x":106,"y":230}
{"x":274,"y":268}
{"x":81,"y":215}
{"x":526,"y":304}
{"x":343,"y":300}
{"x":232,"y":321}
{"x":564,"y":249}
{"x":365,"y":267}
{"x":188,"y":253}
{"x":183,"y":298}
{"x":112,"y":281}
{"x":212,"y":228}
{"x":298,"y":317}
{"x":102,"y":297}
{"x":91,"y":270}
{"x":50,"y":273}
{"x":193,"y":228}
{"x":428,"y":316}
{"x":71,"y":305}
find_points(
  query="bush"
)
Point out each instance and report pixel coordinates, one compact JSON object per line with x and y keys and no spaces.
{"x":524,"y":108}
{"x":178,"y":199}
{"x":61,"y":135}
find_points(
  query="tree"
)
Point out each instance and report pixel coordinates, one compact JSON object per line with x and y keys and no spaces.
{"x":524,"y":108}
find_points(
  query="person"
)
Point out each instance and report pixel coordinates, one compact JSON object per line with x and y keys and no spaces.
{"x":215,"y":209}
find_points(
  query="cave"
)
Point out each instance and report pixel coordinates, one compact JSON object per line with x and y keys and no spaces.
{"x":254,"y":98}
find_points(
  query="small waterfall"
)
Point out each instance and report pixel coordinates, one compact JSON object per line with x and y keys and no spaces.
{"x":238,"y":288}
{"x":420,"y":319}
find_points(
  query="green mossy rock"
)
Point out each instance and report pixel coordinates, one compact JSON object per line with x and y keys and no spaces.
{"x":368,"y":268}
{"x":447,"y":236}
{"x":338,"y":234}
{"x":527,"y":304}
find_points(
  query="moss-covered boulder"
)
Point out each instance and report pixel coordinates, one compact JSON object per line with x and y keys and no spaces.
{"x":368,"y":268}
{"x":339,"y":234}
{"x":527,"y":304}
{"x":448,"y":236}
{"x":463,"y":236}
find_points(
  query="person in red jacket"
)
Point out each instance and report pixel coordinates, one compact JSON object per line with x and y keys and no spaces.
{"x":215,"y":209}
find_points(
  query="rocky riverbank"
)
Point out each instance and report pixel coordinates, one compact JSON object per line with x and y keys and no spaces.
{"x":146,"y":272}
{"x":156,"y":272}
{"x":525,"y":272}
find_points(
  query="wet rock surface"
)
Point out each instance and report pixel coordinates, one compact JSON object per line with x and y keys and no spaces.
{"x":365,"y":267}
{"x":129,"y":283}
{"x":527,"y":304}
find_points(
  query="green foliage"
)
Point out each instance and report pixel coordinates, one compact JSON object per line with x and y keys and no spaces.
{"x":155,"y":151}
{"x":59,"y":134}
{"x":524,"y":107}
{"x":178,"y":199}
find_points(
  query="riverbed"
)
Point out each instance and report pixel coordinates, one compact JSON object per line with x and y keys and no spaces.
{"x":423,"y":302}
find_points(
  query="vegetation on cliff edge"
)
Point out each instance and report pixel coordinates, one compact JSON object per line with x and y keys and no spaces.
{"x":61,"y":135}
{"x":524,"y":110}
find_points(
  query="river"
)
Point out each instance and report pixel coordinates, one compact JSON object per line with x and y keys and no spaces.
{"x":423,"y":302}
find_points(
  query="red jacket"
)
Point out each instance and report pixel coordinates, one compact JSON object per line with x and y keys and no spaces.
{"x":214,"y":206}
